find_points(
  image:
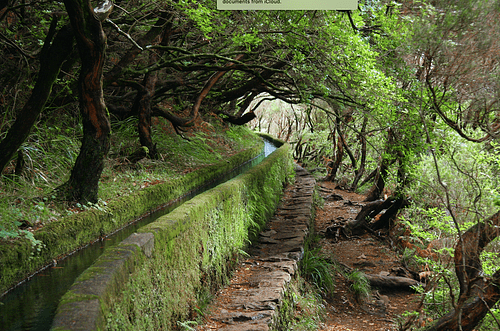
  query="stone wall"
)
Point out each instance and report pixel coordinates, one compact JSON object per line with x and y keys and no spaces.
{"x":159,"y":275}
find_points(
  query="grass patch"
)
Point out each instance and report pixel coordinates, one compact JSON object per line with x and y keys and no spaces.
{"x":301,"y":309}
{"x":28,"y":201}
{"x":316,"y":269}
{"x":359,"y":285}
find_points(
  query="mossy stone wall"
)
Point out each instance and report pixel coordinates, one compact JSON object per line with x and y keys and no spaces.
{"x":194,"y":247}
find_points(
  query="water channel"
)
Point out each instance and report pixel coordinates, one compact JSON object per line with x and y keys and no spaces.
{"x":32,"y":304}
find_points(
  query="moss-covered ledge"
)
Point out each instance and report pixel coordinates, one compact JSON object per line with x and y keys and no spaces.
{"x":18,"y":258}
{"x":275,"y":141}
{"x":193,"y":246}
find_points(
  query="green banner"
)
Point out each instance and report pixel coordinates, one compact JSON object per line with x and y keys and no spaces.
{"x":287,"y":4}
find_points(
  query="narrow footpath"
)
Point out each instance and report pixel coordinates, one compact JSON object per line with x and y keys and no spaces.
{"x":384,"y":309}
{"x":250,"y":302}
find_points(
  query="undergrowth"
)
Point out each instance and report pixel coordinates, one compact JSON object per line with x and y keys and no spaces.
{"x":28,"y":202}
{"x":359,"y":285}
{"x":302,"y":308}
{"x":316,"y":269}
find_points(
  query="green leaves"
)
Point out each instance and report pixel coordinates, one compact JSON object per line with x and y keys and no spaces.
{"x":247,"y":40}
{"x":204,"y":15}
{"x":360,"y":285}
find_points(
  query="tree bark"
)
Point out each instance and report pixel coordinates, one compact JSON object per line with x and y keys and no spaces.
{"x":395,"y":282}
{"x":359,"y":224}
{"x":142,"y":107}
{"x":370,"y":177}
{"x":247,"y":117}
{"x":338,"y":159}
{"x":478,"y":294}
{"x":144,"y":110}
{"x":473,"y":311}
{"x":361,"y":170}
{"x":83,"y":184}
{"x":377,"y":189}
{"x":208,"y":86}
{"x":385,"y":219}
{"x":392,"y":281}
{"x":50,"y":65}
{"x":363,"y":220}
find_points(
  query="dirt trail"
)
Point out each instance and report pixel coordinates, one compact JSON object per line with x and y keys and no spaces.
{"x":365,"y":253}
{"x":249,"y":302}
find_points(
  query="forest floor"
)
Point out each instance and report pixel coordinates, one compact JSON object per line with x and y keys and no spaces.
{"x":384,"y":309}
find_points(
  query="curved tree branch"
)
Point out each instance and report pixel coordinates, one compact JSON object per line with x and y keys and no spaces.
{"x":448,"y":120}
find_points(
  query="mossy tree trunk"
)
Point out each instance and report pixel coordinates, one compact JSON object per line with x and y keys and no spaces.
{"x":91,"y":41}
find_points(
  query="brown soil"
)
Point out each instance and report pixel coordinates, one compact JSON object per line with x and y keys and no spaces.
{"x":367,"y":253}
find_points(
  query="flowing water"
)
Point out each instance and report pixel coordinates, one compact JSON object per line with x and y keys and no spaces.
{"x":32,"y":304}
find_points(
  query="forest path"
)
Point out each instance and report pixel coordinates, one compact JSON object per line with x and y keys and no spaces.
{"x":368,"y":253}
{"x":251,"y":300}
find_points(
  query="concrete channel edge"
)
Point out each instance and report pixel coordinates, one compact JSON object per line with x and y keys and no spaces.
{"x":86,"y":304}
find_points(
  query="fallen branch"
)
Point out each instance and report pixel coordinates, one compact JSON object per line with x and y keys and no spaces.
{"x":393,"y":282}
{"x":388,"y":281}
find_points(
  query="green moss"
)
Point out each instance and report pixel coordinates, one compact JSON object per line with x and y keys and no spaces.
{"x":103,"y":281}
{"x":195,"y":244}
{"x":71,"y":297}
{"x":17,"y":259}
{"x":300,"y":309}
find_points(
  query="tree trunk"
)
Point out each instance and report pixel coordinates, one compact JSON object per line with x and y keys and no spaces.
{"x":50,"y":64}
{"x":208,"y":86}
{"x":363,"y":220}
{"x":83,"y":183}
{"x":142,"y":107}
{"x":349,"y":153}
{"x":478,"y":294}
{"x":338,"y":159}
{"x":144,"y":110}
{"x":247,"y":117}
{"x":384,"y":221}
{"x":377,"y":188}
{"x":395,"y":282}
{"x":392,"y":282}
{"x":473,"y":311}
{"x":361,"y":170}
{"x":359,"y":224}
{"x":370,"y":177}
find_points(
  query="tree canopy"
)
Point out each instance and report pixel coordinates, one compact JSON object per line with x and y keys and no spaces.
{"x":394,"y":98}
